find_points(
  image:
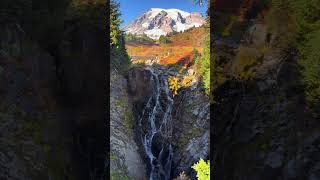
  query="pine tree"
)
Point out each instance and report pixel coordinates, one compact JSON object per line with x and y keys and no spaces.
{"x":164,"y":40}
{"x":119,"y":57}
{"x":115,"y":22}
{"x":298,"y":27}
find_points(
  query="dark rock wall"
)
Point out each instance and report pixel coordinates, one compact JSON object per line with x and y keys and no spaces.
{"x":83,"y":73}
{"x":52,"y":109}
{"x":261,"y":126}
{"x":125,"y":158}
{"x":191,"y":129}
{"x":28,"y":106}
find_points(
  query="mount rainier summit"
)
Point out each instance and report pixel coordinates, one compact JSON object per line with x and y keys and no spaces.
{"x":157,"y":22}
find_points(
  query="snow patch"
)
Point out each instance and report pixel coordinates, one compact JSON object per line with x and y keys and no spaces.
{"x":145,"y":25}
{"x":154,"y":12}
{"x":181,"y":27}
{"x":176,"y":11}
{"x":155,"y":33}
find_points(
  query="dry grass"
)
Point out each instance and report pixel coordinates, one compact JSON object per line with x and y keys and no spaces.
{"x":193,"y":37}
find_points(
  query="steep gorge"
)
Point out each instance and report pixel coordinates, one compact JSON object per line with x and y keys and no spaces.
{"x":153,"y":114}
{"x":171,"y":133}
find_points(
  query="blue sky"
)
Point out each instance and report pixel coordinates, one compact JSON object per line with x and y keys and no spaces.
{"x":131,"y":9}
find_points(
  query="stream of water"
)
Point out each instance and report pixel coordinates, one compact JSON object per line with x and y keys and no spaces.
{"x":156,"y":122}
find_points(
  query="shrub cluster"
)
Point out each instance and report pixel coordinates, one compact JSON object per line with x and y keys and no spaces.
{"x":243,"y":63}
{"x":164,"y":40}
{"x":203,"y":169}
{"x":202,"y":63}
{"x":174,"y":84}
{"x":138,"y":39}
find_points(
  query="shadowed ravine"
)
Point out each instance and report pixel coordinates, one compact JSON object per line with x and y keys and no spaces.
{"x":155,"y":127}
{"x":154,"y":134}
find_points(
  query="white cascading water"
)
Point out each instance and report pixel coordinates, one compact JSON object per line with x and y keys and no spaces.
{"x":156,"y":116}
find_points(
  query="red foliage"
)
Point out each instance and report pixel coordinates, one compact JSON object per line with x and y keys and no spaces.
{"x":186,"y":60}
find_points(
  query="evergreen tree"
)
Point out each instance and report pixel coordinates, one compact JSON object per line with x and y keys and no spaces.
{"x":138,"y":39}
{"x":164,"y":40}
{"x":115,"y":22}
{"x":301,"y":31}
{"x":204,"y":61}
{"x":119,"y":57}
{"x":310,"y":62}
{"x":205,"y":64}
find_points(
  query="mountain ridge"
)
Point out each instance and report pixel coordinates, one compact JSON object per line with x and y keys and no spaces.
{"x":157,"y":21}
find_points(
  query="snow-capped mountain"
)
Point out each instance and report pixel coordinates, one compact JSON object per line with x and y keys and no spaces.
{"x":157,"y":22}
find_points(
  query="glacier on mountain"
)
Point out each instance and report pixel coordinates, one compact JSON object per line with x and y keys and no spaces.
{"x":158,"y":21}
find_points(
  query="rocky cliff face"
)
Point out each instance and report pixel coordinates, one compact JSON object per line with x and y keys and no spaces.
{"x":192,"y":130}
{"x":27,"y":107}
{"x":180,"y":124}
{"x":157,"y":22}
{"x":261,"y":129}
{"x":124,"y":156}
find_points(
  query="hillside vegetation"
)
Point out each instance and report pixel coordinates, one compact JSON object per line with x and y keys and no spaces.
{"x":303,"y":25}
{"x":132,"y":39}
{"x":179,"y":47}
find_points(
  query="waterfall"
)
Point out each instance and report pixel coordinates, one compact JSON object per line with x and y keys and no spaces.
{"x":155,"y":124}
